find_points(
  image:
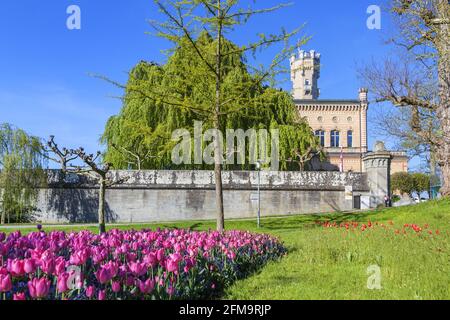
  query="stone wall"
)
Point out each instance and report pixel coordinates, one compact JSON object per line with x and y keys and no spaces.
{"x":148,"y":196}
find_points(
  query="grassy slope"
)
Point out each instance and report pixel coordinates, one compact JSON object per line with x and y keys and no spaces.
{"x":332,"y":263}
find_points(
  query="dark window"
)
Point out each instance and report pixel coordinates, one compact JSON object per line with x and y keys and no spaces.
{"x":321,"y":135}
{"x":334,"y":139}
{"x":350,"y":138}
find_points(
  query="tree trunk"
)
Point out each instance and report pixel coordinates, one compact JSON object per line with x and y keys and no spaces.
{"x":2,"y":210}
{"x":443,"y":111}
{"x":3,"y":218}
{"x":217,"y":147}
{"x":444,"y":164}
{"x":101,"y":206}
{"x":218,"y":179}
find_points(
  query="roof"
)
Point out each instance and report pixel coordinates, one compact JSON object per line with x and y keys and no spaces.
{"x":327,"y":101}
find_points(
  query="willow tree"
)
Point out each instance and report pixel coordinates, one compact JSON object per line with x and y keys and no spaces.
{"x":21,"y":173}
{"x":206,"y":86}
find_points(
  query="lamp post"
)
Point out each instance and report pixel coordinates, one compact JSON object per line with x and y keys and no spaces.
{"x":258,"y":168}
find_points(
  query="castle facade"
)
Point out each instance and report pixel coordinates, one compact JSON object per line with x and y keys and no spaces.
{"x":340,"y":124}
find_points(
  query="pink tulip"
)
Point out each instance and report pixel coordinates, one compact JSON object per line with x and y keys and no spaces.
{"x":79,"y":257}
{"x":48,"y":265}
{"x":5,"y":283}
{"x":102,"y":295}
{"x":103,"y":275}
{"x":29,"y":266}
{"x":139,"y":269}
{"x":170,"y":290}
{"x":147,"y":286}
{"x":39,"y":288}
{"x":116,"y":287}
{"x":19,"y":297}
{"x":60,"y":265}
{"x":160,"y":254}
{"x":172,"y":262}
{"x":171,"y":266}
{"x":151,"y":259}
{"x":112,"y":267}
{"x":61,"y":284}
{"x":90,"y":292}
{"x":16,"y":267}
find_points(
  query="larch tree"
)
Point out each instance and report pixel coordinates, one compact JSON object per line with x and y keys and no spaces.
{"x":213,"y":86}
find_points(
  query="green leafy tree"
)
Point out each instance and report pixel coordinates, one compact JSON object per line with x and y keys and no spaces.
{"x":205,"y":79}
{"x":403,"y":183}
{"x":21,"y":173}
{"x":421,"y":183}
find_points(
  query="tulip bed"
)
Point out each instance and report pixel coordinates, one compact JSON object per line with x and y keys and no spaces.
{"x":162,"y":264}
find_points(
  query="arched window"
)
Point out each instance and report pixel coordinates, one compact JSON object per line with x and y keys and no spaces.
{"x":321,"y":135}
{"x":350,"y":138}
{"x":335,"y":139}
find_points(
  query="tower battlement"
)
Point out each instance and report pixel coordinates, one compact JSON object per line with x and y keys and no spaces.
{"x":305,"y":73}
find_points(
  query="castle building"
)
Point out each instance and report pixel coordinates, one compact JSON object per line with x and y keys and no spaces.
{"x":341,"y":125}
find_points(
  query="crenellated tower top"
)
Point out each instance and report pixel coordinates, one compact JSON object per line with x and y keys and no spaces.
{"x":305,"y":73}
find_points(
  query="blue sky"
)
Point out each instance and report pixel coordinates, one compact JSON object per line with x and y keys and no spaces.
{"x":45,"y":87}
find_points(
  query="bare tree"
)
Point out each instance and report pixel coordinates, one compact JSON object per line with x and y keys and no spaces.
{"x":420,"y":83}
{"x":133,"y":158}
{"x":61,"y":156}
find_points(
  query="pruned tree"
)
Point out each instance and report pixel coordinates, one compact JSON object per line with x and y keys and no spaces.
{"x":420,"y":83}
{"x":77,"y":161}
{"x":203,"y":86}
{"x":62,"y":156}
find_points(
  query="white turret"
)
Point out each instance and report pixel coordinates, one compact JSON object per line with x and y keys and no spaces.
{"x":305,"y":73}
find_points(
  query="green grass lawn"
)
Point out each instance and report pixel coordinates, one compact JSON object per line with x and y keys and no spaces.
{"x":331,"y":263}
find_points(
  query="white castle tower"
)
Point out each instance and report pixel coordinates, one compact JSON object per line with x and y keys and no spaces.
{"x":305,"y":73}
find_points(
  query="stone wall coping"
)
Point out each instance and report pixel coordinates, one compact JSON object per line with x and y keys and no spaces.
{"x":232,"y":180}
